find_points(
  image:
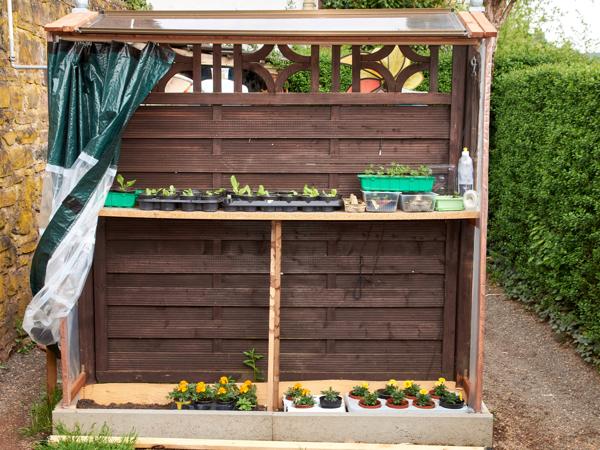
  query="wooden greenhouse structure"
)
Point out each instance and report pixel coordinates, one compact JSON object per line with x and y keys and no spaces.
{"x":324,"y":296}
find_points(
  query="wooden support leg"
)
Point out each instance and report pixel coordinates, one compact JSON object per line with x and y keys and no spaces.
{"x":274,"y":304}
{"x":51,"y":374}
{"x":64,"y":362}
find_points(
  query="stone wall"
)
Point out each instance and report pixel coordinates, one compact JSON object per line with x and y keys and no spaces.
{"x":23,"y":143}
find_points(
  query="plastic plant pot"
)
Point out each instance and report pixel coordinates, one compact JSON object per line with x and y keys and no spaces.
{"x":307,"y":198}
{"x":355,"y":397}
{"x":145,"y":202}
{"x":224,"y":406}
{"x":330,"y":404}
{"x":117,"y":199}
{"x":396,"y":184}
{"x":204,"y":406}
{"x":362,"y":405}
{"x":303,"y":406}
{"x":381,"y":393}
{"x":287,"y":196}
{"x":167,"y":205}
{"x":327,"y":198}
{"x":445,"y":405}
{"x":403,"y":405}
{"x":188,"y":206}
{"x":429,"y":405}
{"x":210,"y":207}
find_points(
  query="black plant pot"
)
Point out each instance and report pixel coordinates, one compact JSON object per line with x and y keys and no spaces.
{"x":307,"y":198}
{"x":188,"y":206}
{"x":145,"y":202}
{"x":230,"y":208}
{"x":443,"y":404}
{"x":210,"y":207}
{"x":328,"y":199}
{"x":308,"y":208}
{"x":224,"y":406}
{"x":167,"y":205}
{"x":203,"y":406}
{"x":287,"y":196}
{"x":381,"y":393}
{"x":330,"y":404}
{"x":289,"y":208}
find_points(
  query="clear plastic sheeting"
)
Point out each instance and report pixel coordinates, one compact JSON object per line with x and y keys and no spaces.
{"x":94,"y":89}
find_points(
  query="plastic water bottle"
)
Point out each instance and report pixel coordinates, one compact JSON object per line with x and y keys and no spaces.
{"x":465,"y":172}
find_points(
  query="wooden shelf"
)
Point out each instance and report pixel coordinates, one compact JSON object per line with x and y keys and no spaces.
{"x":291,"y":216}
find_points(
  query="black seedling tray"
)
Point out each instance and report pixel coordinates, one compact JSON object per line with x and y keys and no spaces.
{"x":282,"y":205}
{"x":153,"y":204}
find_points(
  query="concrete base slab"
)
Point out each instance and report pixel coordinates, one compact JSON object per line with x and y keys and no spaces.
{"x":461,"y":429}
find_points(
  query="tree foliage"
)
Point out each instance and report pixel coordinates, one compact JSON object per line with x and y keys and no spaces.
{"x":370,"y":4}
{"x":142,"y":5}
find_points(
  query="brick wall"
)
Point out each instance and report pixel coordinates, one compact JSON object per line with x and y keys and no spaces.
{"x":23,"y":144}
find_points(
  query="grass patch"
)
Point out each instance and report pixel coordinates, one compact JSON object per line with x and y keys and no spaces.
{"x":76,"y":440}
{"x":40,"y":415}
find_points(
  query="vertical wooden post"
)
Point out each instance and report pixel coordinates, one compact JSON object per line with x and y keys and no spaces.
{"x":237,"y":68}
{"x":457,"y":108}
{"x":356,"y":63}
{"x":274,"y":304}
{"x":314,"y":68}
{"x":197,"y":68}
{"x":51,"y":374}
{"x":64,"y":361}
{"x":216,"y":69}
{"x":335,"y":68}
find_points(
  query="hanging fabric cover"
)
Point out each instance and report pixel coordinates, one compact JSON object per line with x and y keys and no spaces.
{"x":93,"y":90}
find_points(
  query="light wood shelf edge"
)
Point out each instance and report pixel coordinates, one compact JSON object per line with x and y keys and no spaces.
{"x":286,"y":216}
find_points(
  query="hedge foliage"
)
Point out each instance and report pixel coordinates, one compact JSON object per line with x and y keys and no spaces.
{"x":545,"y":194}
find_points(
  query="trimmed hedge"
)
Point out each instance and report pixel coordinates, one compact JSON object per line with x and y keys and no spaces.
{"x":545,"y":195}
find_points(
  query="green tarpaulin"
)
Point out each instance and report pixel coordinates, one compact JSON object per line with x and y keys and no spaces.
{"x":93,"y":89}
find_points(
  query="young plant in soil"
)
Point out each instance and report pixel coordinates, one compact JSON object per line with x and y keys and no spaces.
{"x":359,"y":391}
{"x":226,"y":393}
{"x":188,"y":194}
{"x":202,"y":395}
{"x":390,"y":387}
{"x":328,"y":196}
{"x":304,"y":400}
{"x":309,"y":193}
{"x":150,"y":192}
{"x":262,"y":192}
{"x":370,"y":400}
{"x":423,"y":400}
{"x":421,"y":171}
{"x":293,"y":391}
{"x":181,"y":395}
{"x":411,"y":389}
{"x":251,"y":361}
{"x":397,"y":400}
{"x":452,"y":400}
{"x":330,"y":399}
{"x":239,"y":191}
{"x":169,"y":192}
{"x":247,"y":397}
{"x":439,"y":389}
{"x":124,"y":185}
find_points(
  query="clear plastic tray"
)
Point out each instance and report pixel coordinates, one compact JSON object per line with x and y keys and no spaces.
{"x":381,"y":201}
{"x":419,"y":202}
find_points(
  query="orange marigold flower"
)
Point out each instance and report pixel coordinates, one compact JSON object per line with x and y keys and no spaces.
{"x":244,"y":388}
{"x":222,"y":390}
{"x":200,"y":387}
{"x":247,"y":382}
{"x":223,"y":380}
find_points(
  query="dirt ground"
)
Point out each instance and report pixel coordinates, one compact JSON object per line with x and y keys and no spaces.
{"x":542,"y":394}
{"x":22,"y":379}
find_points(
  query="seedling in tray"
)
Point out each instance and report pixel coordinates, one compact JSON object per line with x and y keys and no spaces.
{"x":124,"y":185}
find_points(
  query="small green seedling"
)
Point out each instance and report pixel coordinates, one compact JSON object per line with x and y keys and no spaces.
{"x":244,"y":404}
{"x":235,"y":186}
{"x":330,"y":394}
{"x":168,"y":192}
{"x":251,"y":361}
{"x":262,"y":192}
{"x":310,"y":191}
{"x":151,"y":192}
{"x":421,"y":171}
{"x":187,"y":192}
{"x":123,"y":184}
{"x":331,"y":193}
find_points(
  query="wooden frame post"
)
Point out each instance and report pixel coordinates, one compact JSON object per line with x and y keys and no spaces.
{"x":274,"y":306}
{"x":51,"y":374}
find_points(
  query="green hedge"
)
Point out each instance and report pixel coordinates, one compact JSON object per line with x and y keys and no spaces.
{"x":545,"y":195}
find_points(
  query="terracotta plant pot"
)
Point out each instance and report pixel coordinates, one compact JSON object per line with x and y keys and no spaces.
{"x":303,"y":406}
{"x":362,"y":405}
{"x":389,"y":404}
{"x":432,"y":394}
{"x":355,"y":397}
{"x":381,"y":393}
{"x":410,"y":397}
{"x":430,"y":405}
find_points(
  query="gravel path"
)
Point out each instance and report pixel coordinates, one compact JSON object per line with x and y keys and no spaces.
{"x":542,"y":394}
{"x":21,"y":383}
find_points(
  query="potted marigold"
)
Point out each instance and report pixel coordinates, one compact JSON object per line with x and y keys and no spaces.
{"x":397,"y":400}
{"x":330,"y":399}
{"x":423,"y":400}
{"x":304,"y":400}
{"x":226,"y":392}
{"x":359,"y":391}
{"x":411,"y":389}
{"x":452,"y":400}
{"x":181,"y":395}
{"x":293,"y":391}
{"x":439,"y":389}
{"x":246,"y":400}
{"x":370,"y":400}
{"x":388,"y":390}
{"x":202,"y":395}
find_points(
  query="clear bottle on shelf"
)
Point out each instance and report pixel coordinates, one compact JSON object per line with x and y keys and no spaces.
{"x":465,"y":172}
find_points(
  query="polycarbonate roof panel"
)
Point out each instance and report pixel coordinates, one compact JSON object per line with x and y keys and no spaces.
{"x":372,"y":23}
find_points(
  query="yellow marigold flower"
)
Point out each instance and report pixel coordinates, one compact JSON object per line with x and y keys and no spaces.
{"x":183,"y":383}
{"x":223,"y":380}
{"x":393,"y":382}
{"x":221,"y":390}
{"x":423,"y":392}
{"x":305,"y":392}
{"x":182,"y":388}
{"x":298,"y":386}
{"x":441,"y":380}
{"x":365,"y":385}
{"x":244,"y":388}
{"x":200,"y":387}
{"x":248,"y":383}
{"x":438,"y":383}
{"x":408,"y":383}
